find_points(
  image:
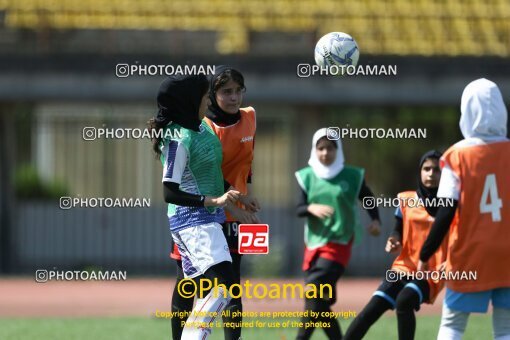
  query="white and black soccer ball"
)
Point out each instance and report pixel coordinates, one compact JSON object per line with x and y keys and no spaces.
{"x":336,"y":48}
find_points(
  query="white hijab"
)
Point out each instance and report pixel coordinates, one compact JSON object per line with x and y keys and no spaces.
{"x":483,"y":113}
{"x":321,"y":170}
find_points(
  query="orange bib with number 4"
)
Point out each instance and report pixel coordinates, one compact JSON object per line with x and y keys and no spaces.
{"x":480,"y":236}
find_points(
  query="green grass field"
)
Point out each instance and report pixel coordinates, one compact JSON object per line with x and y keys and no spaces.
{"x":135,"y":328}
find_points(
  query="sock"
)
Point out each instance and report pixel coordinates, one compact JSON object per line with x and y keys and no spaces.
{"x":305,"y":333}
{"x":179,"y":304}
{"x":368,"y":316}
{"x":235,"y":308}
{"x":408,"y":301}
{"x":198,"y":324}
{"x":333,"y":332}
{"x":501,"y":323}
{"x":453,"y":324}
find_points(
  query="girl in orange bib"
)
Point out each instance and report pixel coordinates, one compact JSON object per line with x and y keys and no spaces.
{"x":397,"y":291}
{"x":475,"y":176}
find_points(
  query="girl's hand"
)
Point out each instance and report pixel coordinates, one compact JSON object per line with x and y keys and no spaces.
{"x":250,"y":203}
{"x":230,"y":196}
{"x":393,"y":245}
{"x":242,"y":215}
{"x":321,"y":211}
{"x":374,"y":228}
{"x":423,"y":266}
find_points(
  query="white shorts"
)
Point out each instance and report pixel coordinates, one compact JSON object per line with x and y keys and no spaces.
{"x":201,"y":247}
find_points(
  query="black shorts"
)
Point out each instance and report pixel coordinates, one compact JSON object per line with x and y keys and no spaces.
{"x":231,"y":232}
{"x":324,"y":271}
{"x":389,"y":290}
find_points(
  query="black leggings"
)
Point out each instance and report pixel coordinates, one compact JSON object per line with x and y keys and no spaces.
{"x":221,"y":271}
{"x":322,"y":271}
{"x":407,"y":301}
{"x":180,"y":304}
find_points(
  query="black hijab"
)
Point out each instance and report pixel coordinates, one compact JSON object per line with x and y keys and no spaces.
{"x":424,"y":192}
{"x":179,"y":99}
{"x":214,"y":112}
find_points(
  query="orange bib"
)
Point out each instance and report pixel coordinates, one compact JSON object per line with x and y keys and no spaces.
{"x":480,"y":238}
{"x":417,"y":223}
{"x":237,"y":141}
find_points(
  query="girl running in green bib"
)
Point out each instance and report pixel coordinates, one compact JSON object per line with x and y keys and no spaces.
{"x":330,"y":191}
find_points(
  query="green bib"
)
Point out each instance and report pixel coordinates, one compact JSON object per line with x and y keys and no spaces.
{"x":341,"y":193}
{"x":202,"y":175}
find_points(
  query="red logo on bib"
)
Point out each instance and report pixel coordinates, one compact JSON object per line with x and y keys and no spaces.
{"x":253,"y":239}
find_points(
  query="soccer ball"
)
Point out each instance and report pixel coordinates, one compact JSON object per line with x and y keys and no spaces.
{"x":336,"y":48}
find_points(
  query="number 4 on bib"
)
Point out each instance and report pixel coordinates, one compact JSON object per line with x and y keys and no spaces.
{"x":490,"y":191}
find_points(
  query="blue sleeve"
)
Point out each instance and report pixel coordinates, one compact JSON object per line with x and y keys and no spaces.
{"x":398,"y":213}
{"x":175,"y":161}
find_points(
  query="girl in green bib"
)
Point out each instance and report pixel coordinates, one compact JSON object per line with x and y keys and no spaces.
{"x":330,"y":191}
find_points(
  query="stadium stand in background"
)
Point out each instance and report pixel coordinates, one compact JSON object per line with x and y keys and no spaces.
{"x":399,"y":27}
